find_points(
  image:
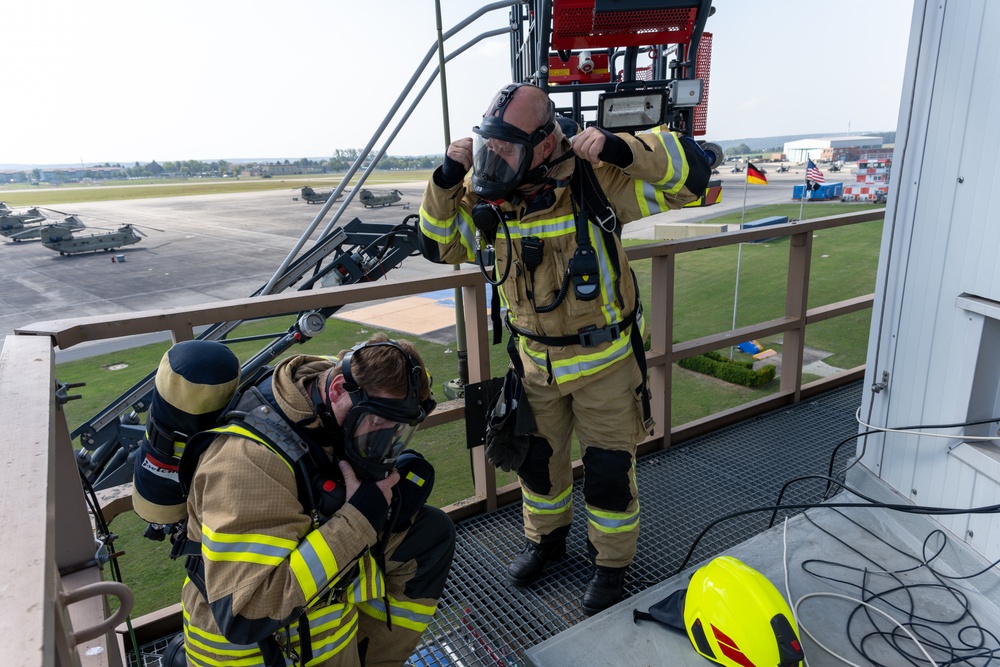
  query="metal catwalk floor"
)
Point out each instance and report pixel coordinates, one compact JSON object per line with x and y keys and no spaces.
{"x":482,"y":620}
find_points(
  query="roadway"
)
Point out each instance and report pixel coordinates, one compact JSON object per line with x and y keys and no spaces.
{"x":211,"y":247}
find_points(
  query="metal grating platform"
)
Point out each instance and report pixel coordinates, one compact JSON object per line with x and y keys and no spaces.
{"x":483,"y":620}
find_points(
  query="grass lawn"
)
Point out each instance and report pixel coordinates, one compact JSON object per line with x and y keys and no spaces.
{"x":113,"y":190}
{"x":844,"y":265}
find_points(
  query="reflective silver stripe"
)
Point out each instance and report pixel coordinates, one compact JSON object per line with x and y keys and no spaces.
{"x":312,"y":560}
{"x":333,"y":644}
{"x":611,"y":312}
{"x":581,"y":365}
{"x":246,"y":547}
{"x":399,"y":611}
{"x":541,"y":505}
{"x":613,"y":525}
{"x":654,"y":200}
{"x":673,"y":149}
{"x":543,"y":228}
{"x":443,"y":231}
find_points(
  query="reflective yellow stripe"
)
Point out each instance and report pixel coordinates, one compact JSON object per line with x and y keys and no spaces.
{"x":405,"y":613}
{"x":245,"y":547}
{"x":313,"y":564}
{"x":641,"y":199}
{"x":613,"y":522}
{"x":197,"y":640}
{"x":369,"y":583}
{"x":582,"y":365}
{"x":445,"y":231}
{"x":415,"y":478}
{"x":677,"y":170}
{"x":328,"y":646}
{"x":538,"y":505}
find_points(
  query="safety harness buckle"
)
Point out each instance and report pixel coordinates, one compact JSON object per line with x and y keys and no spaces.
{"x":594,"y":337}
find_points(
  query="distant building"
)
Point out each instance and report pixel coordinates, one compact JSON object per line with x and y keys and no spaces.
{"x":830,"y":149}
{"x":871,"y":178}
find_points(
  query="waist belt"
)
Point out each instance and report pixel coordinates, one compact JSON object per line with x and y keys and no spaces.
{"x":589,"y":337}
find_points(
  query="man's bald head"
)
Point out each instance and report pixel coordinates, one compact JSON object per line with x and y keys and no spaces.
{"x":530,"y":109}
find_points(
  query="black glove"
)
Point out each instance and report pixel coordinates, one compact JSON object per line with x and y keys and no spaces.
{"x":450,"y":174}
{"x":615,"y":150}
{"x":509,"y":425}
{"x":699,"y":166}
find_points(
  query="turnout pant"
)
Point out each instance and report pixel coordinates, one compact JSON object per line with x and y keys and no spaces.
{"x":606,"y":416}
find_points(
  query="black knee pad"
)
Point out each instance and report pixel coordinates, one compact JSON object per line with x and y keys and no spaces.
{"x":606,"y":479}
{"x":431,"y":542}
{"x":534,"y":472}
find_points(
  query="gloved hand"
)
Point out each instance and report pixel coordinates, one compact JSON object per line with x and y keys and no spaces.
{"x":505,"y":450}
{"x":597,"y":145}
{"x":509,"y":424}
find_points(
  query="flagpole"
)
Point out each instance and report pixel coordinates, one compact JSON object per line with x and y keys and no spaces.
{"x":805,"y":187}
{"x":739,"y":251}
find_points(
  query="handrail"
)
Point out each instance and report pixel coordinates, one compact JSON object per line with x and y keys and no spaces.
{"x":46,"y":504}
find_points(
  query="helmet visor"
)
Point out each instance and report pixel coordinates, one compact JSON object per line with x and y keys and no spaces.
{"x":499,"y":161}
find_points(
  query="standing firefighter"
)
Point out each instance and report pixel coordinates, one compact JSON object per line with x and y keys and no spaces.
{"x":554,"y":208}
{"x":311,"y":540}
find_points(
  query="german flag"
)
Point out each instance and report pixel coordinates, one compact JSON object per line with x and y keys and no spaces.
{"x":755,"y":175}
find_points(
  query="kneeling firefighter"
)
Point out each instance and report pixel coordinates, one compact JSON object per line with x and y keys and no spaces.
{"x":554,"y":208}
{"x":309,"y":535}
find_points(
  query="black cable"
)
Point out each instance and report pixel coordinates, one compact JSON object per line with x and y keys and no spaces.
{"x":970,"y":645}
{"x":510,"y":255}
{"x":870,"y":502}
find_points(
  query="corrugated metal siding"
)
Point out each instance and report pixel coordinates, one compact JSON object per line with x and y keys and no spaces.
{"x":946,"y":241}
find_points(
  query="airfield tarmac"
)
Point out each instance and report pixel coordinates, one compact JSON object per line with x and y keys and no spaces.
{"x":206,"y":248}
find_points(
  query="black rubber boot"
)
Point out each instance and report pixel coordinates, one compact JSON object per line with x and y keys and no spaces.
{"x":527,"y":566}
{"x":606,"y":586}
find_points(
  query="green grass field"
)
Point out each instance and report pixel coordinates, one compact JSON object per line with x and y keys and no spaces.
{"x":844,"y":265}
{"x":45,"y":195}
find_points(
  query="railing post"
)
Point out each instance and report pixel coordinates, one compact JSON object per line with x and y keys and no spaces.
{"x":484,"y":476}
{"x":796,"y":301}
{"x":661,"y":303}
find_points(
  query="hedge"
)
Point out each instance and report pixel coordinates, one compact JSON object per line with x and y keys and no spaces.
{"x":730,"y":370}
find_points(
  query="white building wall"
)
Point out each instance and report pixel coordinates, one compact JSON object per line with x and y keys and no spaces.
{"x":941,"y":241}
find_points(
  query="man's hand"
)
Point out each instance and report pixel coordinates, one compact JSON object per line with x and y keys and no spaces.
{"x":589,"y":144}
{"x":352,"y":482}
{"x":596,"y":145}
{"x":460,"y":151}
{"x":457,"y":162}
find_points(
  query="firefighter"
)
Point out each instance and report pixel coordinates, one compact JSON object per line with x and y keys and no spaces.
{"x":309,"y":548}
{"x":554,"y":208}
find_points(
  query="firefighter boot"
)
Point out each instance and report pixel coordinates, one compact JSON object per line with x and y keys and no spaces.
{"x":527,"y":566}
{"x":604,"y":589}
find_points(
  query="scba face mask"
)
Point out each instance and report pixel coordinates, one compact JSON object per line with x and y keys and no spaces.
{"x":377,"y":429}
{"x":502,"y":153}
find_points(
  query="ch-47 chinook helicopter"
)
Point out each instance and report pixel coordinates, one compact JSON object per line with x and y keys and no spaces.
{"x":12,"y":222}
{"x":61,"y":239}
{"x":317,"y":196}
{"x":18,"y":232}
{"x":373,"y":200}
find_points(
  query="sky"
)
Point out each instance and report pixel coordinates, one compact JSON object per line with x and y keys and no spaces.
{"x":126,"y":80}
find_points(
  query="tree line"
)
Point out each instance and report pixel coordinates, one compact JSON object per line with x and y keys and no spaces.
{"x":340,"y":161}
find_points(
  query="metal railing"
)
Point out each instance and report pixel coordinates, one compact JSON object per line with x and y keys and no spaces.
{"x":42,"y":497}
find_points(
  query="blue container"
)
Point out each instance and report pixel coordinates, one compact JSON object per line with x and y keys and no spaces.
{"x":826,"y":191}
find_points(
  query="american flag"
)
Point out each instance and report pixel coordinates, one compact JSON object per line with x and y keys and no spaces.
{"x":813,"y":173}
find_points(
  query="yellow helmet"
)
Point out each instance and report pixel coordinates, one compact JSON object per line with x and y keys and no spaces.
{"x":733,"y":616}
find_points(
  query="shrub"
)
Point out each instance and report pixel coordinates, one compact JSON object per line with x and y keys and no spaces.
{"x":730,"y":370}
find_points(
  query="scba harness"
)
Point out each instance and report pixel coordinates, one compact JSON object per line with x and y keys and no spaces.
{"x":161,"y":489}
